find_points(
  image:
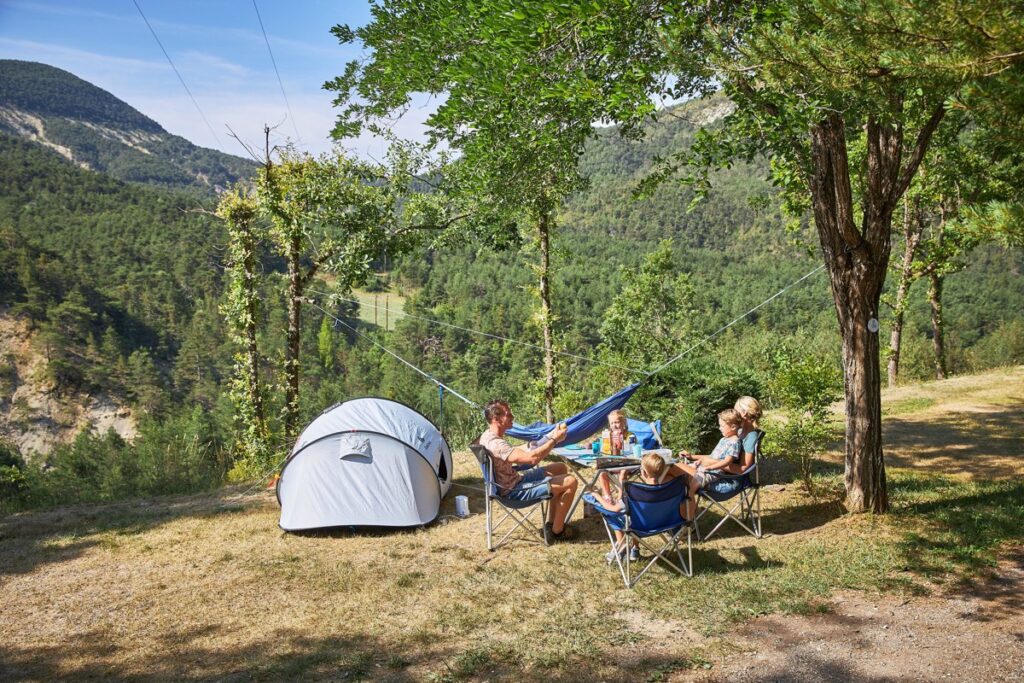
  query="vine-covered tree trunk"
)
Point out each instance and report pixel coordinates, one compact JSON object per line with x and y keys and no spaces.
{"x":544,"y":230}
{"x":293,"y":343}
{"x":250,"y":277}
{"x":912,"y":237}
{"x":935,"y":299}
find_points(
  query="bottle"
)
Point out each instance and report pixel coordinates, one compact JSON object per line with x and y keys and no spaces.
{"x":606,"y":442}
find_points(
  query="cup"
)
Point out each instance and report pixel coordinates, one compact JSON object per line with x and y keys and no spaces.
{"x":638,"y":450}
{"x":596,"y":447}
{"x":462,"y":506}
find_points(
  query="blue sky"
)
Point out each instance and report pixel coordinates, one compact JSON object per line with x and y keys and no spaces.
{"x":220,"y":52}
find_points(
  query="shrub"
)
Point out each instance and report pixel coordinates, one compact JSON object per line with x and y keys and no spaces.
{"x":804,"y":386}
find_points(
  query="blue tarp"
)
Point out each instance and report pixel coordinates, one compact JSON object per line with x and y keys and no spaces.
{"x":581,"y":425}
{"x":644,"y":432}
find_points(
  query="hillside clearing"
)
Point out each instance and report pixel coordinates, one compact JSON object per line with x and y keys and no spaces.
{"x":207,"y":587}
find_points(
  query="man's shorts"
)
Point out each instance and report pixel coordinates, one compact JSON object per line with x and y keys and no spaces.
{"x":535,"y":485}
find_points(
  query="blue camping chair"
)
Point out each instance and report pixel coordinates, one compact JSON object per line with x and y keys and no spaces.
{"x":651,"y":511}
{"x":745,"y":488}
{"x":518,"y":513}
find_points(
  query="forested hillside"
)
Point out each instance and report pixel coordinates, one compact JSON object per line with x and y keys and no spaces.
{"x":98,"y":131}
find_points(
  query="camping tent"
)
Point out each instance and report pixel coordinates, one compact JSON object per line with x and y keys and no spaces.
{"x":365,"y":462}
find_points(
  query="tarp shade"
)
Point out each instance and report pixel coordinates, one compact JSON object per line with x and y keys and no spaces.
{"x":581,"y":425}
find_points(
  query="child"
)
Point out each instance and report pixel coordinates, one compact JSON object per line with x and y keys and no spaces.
{"x":702,"y":469}
{"x":653,"y":470}
{"x":617,"y":429}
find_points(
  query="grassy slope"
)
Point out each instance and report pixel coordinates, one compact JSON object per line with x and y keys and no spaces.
{"x":207,"y":587}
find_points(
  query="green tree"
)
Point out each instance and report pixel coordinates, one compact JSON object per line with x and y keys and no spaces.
{"x":239,"y":210}
{"x":325,"y":344}
{"x":651,"y":319}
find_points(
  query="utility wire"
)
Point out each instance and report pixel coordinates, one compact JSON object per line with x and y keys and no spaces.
{"x":483,"y":334}
{"x":278,"y":73}
{"x":176,"y":72}
{"x":734,"y":321}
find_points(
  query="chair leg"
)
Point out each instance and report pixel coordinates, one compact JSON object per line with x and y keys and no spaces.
{"x":489,"y":503}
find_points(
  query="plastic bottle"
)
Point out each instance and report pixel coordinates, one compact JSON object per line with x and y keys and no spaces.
{"x":606,"y":442}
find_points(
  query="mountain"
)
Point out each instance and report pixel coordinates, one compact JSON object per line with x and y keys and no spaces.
{"x":95,"y":130}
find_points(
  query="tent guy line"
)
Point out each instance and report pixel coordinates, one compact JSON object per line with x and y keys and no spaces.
{"x":735,"y":320}
{"x":395,"y":355}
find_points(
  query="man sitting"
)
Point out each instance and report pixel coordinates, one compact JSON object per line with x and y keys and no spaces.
{"x":534,"y":483}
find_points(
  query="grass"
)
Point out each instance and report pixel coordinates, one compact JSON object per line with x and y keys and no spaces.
{"x":380,"y":308}
{"x":207,"y":587}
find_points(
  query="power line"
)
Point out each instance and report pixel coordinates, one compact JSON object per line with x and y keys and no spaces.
{"x":176,"y":72}
{"x":484,"y":334}
{"x":274,"y":62}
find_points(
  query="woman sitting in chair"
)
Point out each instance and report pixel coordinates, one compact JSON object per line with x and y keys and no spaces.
{"x":749,"y":409}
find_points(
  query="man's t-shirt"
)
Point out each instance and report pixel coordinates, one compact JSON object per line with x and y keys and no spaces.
{"x":505,"y":475}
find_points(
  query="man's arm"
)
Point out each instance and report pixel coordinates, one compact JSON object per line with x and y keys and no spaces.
{"x":524,"y":456}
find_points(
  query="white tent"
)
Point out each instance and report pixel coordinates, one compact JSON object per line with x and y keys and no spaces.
{"x":365,"y":462}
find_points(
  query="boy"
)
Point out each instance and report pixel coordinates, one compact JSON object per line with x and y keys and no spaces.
{"x":702,"y":470}
{"x":653,"y":470}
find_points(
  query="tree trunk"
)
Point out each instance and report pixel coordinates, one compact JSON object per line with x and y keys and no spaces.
{"x":544,"y":230}
{"x":912,"y":237}
{"x":857,"y":267}
{"x":935,"y":298}
{"x":291,"y":357}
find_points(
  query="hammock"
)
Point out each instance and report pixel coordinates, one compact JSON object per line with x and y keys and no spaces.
{"x":581,"y":425}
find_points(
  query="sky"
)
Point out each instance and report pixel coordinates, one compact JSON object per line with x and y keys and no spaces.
{"x":220,"y":52}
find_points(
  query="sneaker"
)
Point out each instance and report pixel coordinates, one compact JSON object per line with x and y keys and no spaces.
{"x":612,"y":556}
{"x":634,"y":554}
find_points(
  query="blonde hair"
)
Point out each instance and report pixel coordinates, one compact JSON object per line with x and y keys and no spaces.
{"x":615,"y":416}
{"x":731,"y":417}
{"x":749,"y":408}
{"x":653,"y":465}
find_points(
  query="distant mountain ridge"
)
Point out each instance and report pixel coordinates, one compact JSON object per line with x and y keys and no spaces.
{"x":95,"y":130}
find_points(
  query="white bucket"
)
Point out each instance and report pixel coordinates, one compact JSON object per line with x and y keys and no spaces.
{"x":462,"y":506}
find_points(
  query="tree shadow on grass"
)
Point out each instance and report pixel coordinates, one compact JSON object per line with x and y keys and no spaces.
{"x":294,"y":655}
{"x":33,"y":539}
{"x":963,"y":524}
{"x":984,"y":444}
{"x":778,"y":522}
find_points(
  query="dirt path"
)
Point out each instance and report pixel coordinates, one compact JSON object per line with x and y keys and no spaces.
{"x":975,"y":633}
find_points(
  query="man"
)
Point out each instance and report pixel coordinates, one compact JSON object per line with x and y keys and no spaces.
{"x":536,"y":482}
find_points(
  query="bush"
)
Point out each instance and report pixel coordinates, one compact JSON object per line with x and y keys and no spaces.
{"x":805,"y":387}
{"x":1004,"y":346}
{"x":12,"y":476}
{"x":688,"y":397}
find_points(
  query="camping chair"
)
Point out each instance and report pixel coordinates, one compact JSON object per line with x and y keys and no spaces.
{"x":517,"y":512}
{"x":746,"y":494}
{"x":651,"y":511}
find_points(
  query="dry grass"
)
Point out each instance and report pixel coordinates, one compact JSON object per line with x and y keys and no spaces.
{"x":207,"y":587}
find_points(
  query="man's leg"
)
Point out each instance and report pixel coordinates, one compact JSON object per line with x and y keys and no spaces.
{"x":563,"y":492}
